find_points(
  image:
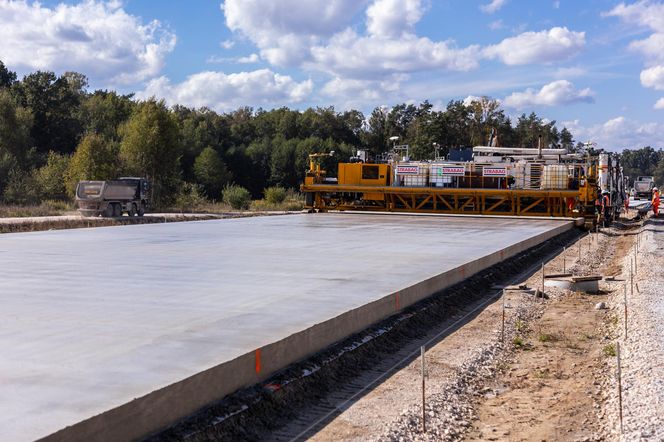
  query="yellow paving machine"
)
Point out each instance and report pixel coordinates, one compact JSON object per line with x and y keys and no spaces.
{"x":494,"y":181}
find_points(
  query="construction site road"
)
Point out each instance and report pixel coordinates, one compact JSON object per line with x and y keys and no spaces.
{"x":120,"y":331}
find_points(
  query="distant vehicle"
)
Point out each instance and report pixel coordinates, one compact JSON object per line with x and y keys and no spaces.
{"x":643,"y":186}
{"x":113,"y":198}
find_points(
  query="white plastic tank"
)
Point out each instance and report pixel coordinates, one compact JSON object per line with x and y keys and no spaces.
{"x":439,"y":178}
{"x":412,"y":174}
{"x":554,"y":177}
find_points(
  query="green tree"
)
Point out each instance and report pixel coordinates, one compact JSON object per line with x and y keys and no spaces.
{"x":51,"y":177}
{"x":566,"y":139}
{"x":103,"y":112}
{"x":94,"y":159}
{"x":211,"y":171}
{"x":7,"y":77}
{"x":151,"y":148}
{"x":54,"y":103}
{"x":15,"y":125}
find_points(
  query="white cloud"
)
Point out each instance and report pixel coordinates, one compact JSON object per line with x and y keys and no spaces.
{"x":361,"y":57}
{"x":96,"y":38}
{"x":227,"y":44}
{"x":659,"y":105}
{"x":391,"y":18}
{"x":223,"y":92}
{"x":285,"y":30}
{"x":653,"y":77}
{"x":556,"y":4}
{"x":646,"y":14}
{"x":252,"y":58}
{"x":567,"y":72}
{"x":618,"y":133}
{"x":496,"y":25}
{"x":652,"y":47}
{"x":492,"y":7}
{"x":556,"y":93}
{"x":538,"y":47}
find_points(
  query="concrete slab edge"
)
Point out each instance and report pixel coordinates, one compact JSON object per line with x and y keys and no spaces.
{"x":161,"y":408}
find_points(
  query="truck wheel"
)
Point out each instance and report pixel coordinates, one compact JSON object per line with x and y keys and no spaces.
{"x":141,"y":210}
{"x":108,"y":212}
{"x":117,"y":210}
{"x":132,"y":210}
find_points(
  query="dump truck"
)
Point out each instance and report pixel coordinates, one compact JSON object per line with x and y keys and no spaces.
{"x":643,"y":186}
{"x":112,"y":198}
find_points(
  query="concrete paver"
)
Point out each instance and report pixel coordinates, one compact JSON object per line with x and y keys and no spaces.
{"x":92,"y":318}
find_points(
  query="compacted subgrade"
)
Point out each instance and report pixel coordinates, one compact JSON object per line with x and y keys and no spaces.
{"x":298,"y":402}
{"x":550,"y":384}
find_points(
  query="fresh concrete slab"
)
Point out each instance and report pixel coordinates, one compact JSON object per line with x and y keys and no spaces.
{"x":94,"y":318}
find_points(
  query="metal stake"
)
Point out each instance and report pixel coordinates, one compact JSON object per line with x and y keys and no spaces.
{"x":625,"y":299}
{"x":542,"y":281}
{"x":619,"y":387}
{"x":564,"y":250}
{"x":424,"y":416}
{"x":502,"y":333}
{"x":635,"y":268}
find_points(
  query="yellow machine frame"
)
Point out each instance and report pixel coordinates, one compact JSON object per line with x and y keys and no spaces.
{"x":353,"y":192}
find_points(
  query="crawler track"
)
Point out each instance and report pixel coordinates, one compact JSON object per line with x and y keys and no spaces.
{"x":302,"y":399}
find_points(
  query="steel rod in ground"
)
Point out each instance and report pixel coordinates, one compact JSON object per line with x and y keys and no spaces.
{"x":636,"y":250}
{"x":542,"y":294}
{"x":502,"y":333}
{"x":564,"y":250}
{"x":620,"y":405}
{"x":625,"y":299}
{"x":424,"y":411}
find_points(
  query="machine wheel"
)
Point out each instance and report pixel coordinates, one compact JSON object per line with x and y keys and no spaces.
{"x":132,"y":210}
{"x":108,"y":212}
{"x":117,"y":210}
{"x":141,"y":210}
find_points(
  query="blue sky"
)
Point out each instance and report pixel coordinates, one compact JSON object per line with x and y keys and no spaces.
{"x":595,"y":66}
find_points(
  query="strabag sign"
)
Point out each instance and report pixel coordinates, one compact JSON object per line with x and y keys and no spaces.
{"x":494,"y":171}
{"x":408,"y":170}
{"x":452,"y":171}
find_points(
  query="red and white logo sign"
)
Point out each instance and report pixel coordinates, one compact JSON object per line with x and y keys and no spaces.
{"x":408,"y":170}
{"x":494,"y":171}
{"x":452,"y":171}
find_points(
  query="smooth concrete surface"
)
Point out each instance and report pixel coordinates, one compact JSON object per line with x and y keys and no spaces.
{"x":119,"y":331}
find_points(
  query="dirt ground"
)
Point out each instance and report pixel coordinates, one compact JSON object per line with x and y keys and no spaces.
{"x":545,"y":383}
{"x":550,"y":391}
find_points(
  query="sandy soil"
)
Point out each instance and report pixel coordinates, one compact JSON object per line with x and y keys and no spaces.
{"x":544,"y":383}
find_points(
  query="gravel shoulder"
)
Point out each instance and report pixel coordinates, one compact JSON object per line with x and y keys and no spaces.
{"x":642,"y":351}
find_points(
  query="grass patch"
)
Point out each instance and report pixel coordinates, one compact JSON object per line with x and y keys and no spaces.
{"x":609,"y":350}
{"x":541,"y":374}
{"x":518,"y":342}
{"x":520,"y":326}
{"x":547,"y":337}
{"x":46,"y":208}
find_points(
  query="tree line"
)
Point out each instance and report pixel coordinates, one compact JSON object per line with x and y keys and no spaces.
{"x":54,"y":132}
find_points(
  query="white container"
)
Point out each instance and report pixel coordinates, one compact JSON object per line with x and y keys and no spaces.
{"x":414,"y":174}
{"x":554,"y":177}
{"x":439,"y":178}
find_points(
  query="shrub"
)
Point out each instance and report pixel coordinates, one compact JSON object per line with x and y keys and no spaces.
{"x":189,"y":198}
{"x":275,"y":194}
{"x":237,"y":197}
